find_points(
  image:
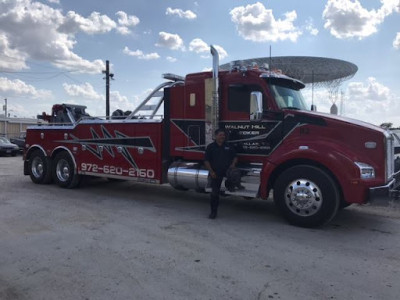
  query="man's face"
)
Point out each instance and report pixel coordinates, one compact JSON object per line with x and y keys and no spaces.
{"x":220,"y":137}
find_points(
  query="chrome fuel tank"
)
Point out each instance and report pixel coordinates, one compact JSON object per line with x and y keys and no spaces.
{"x":187,"y":175}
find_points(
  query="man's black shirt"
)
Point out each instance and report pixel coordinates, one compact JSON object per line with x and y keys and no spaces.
{"x":220,"y":157}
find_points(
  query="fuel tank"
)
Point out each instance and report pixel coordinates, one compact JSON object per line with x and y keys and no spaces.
{"x":187,"y":175}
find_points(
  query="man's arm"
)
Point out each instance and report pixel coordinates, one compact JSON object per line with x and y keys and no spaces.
{"x":234,"y":162}
{"x":233,"y":156}
{"x":207,"y":157}
{"x":208,"y":166}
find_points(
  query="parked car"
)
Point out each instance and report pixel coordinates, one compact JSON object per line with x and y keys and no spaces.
{"x":19,"y":141}
{"x":6,"y":147}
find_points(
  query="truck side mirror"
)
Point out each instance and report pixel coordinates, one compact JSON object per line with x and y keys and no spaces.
{"x":256,"y":106}
{"x":313,"y":107}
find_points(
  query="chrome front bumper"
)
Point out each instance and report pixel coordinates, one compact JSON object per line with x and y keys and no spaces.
{"x":386,"y":193}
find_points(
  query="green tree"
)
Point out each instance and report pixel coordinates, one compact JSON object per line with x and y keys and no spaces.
{"x":387,"y":125}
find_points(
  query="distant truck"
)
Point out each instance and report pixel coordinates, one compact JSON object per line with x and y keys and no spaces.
{"x":314,"y":163}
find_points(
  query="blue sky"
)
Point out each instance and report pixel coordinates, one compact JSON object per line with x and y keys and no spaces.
{"x":53,"y":51}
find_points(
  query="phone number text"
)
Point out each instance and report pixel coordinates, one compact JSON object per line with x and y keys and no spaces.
{"x":114,"y":170}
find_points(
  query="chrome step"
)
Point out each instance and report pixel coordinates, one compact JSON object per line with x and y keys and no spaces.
{"x":250,"y":181}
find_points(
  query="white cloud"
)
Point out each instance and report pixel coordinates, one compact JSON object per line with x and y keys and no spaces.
{"x":36,"y":31}
{"x":256,"y":23}
{"x":94,"y":24}
{"x":371,"y":91}
{"x":11,"y":59}
{"x":33,"y":30}
{"x":171,"y":59}
{"x":369,"y":101}
{"x":85,"y":90}
{"x":188,"y":14}
{"x":20,"y":111}
{"x":310,"y":27}
{"x":97,"y":108}
{"x":118,"y":101}
{"x":221,"y":51}
{"x":17,"y":88}
{"x":349,"y":19}
{"x":140,"y":55}
{"x":125,"y":22}
{"x":170,"y":40}
{"x":396,"y":42}
{"x":54,"y":1}
{"x":199,"y":46}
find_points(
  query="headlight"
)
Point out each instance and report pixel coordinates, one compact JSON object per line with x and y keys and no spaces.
{"x":366,"y":171}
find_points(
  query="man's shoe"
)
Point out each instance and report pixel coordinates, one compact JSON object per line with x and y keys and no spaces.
{"x":213,"y":215}
{"x":240,"y":187}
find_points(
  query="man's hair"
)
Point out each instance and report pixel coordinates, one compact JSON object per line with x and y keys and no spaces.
{"x":219,"y":130}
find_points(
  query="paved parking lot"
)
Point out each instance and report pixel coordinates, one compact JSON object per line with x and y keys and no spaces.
{"x":110,"y":240}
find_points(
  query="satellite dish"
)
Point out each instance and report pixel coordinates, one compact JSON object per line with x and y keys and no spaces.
{"x":320,"y":71}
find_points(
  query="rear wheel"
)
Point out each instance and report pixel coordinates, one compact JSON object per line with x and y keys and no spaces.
{"x":39,"y":167}
{"x":306,"y":196}
{"x":64,"y":173}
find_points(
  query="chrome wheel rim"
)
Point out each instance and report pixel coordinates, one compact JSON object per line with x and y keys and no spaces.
{"x":303,"y":197}
{"x":37,"y":167}
{"x":62,"y":170}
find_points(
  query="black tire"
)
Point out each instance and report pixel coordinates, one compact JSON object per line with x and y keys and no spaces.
{"x":115,"y":179}
{"x":180,"y":188}
{"x":306,"y":196}
{"x":64,"y":173}
{"x":39,"y":167}
{"x":343,"y":205}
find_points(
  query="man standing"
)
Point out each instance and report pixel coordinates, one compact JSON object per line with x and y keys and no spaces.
{"x":219,"y":157}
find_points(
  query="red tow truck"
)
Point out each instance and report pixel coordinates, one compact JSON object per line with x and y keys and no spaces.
{"x":314,"y":163}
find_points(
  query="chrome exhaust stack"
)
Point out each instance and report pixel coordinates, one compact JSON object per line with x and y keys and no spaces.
{"x":212,"y":99}
{"x":215,"y":95}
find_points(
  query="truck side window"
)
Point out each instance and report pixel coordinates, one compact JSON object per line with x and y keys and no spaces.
{"x":239,"y":97}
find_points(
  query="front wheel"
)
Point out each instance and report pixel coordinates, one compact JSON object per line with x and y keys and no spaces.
{"x":306,"y":196}
{"x":64,"y":173}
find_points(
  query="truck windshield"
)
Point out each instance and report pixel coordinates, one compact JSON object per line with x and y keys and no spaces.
{"x":286,"y":95}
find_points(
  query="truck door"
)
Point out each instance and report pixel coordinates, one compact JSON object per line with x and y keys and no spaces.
{"x":251,"y":130}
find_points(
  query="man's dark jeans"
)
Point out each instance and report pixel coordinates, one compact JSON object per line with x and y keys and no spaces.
{"x":215,"y":189}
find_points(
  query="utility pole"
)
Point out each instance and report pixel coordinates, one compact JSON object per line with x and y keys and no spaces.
{"x":5,"y":107}
{"x":108,"y":76}
{"x":5,"y":120}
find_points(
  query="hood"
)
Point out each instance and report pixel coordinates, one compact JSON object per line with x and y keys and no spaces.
{"x":328,"y":116}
